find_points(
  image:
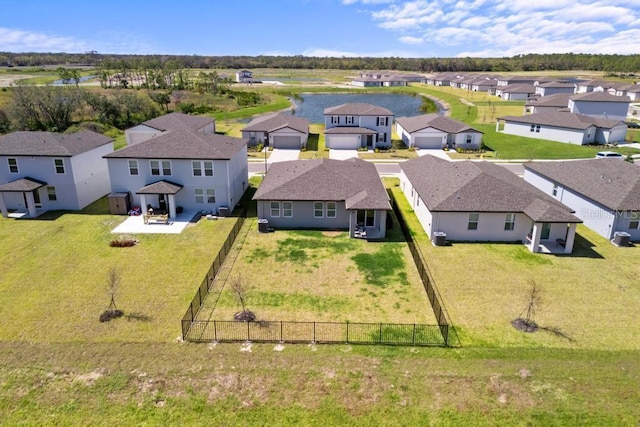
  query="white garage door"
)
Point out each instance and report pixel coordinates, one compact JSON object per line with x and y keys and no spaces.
{"x":286,"y":142}
{"x":428,"y":142}
{"x":341,"y":142}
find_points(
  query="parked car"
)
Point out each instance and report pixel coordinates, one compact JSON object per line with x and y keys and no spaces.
{"x":608,"y":155}
{"x":634,"y":125}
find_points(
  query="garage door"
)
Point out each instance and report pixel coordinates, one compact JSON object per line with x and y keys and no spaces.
{"x":428,"y":142}
{"x":340,"y":142}
{"x":286,"y":142}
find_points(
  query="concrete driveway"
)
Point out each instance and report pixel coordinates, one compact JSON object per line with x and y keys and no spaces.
{"x":342,"y":154}
{"x":283,"y":155}
{"x":433,"y":152}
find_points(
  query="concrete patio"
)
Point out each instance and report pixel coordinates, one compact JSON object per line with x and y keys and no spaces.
{"x":136,"y":225}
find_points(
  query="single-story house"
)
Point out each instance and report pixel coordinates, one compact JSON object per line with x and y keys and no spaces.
{"x":436,"y":131}
{"x":604,"y":193}
{"x":325,"y":194}
{"x":182,"y":168}
{"x":600,"y":104}
{"x":548,"y":103}
{"x":515,"y":92}
{"x":563,"y":126}
{"x":552,"y":88}
{"x":590,"y":85}
{"x":278,"y":130}
{"x":356,"y":125}
{"x":516,"y":80}
{"x":52,"y":171}
{"x":154,"y":127}
{"x":484,"y":202}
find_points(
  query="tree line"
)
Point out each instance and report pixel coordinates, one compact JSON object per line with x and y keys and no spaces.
{"x":531,"y":62}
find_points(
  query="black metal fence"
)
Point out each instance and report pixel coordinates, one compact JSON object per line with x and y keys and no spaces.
{"x":319,"y":332}
{"x":442,"y":317}
{"x":208,"y":281}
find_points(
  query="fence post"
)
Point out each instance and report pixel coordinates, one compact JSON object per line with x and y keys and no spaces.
{"x":281,"y":331}
{"x":347,"y":331}
{"x":314,"y":331}
{"x":248,"y":334}
{"x":380,"y":334}
{"x":413,"y":339}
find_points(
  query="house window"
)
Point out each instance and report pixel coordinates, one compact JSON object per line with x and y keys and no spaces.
{"x":509,"y":222}
{"x":535,"y":128}
{"x":160,"y":167}
{"x":133,"y":167}
{"x":382,"y":121}
{"x":51,"y":193}
{"x":366,"y":218}
{"x":275,"y":209}
{"x":634,"y":222}
{"x":318,"y":209}
{"x":287,"y":209}
{"x":335,"y":120}
{"x":349,"y":120}
{"x":211,"y":195}
{"x":469,"y":139}
{"x":554,"y":191}
{"x":199,"y":195}
{"x":382,"y":137}
{"x":473,"y":221}
{"x":13,"y":165}
{"x":202,"y":168}
{"x":59,"y":165}
{"x":331,"y":209}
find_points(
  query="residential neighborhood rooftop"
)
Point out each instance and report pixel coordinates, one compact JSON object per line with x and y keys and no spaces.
{"x":273,"y":122}
{"x":563,"y":119}
{"x":436,"y":121}
{"x":358,"y":109}
{"x":30,"y":143}
{"x":173,"y":121}
{"x":599,"y":97}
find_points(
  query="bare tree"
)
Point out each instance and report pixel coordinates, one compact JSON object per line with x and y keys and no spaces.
{"x":534,"y":300}
{"x":241,"y":290}
{"x":112,"y":312}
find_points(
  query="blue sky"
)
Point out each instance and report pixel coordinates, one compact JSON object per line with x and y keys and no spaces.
{"x":419,"y":28}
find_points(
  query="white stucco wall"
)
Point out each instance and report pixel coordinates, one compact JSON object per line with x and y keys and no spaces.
{"x":603,"y":110}
{"x":91,"y":175}
{"x":571,"y":136}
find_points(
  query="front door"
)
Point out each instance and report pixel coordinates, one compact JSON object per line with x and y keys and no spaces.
{"x":36,"y":199}
{"x":369,"y":141}
{"x":162,"y":202}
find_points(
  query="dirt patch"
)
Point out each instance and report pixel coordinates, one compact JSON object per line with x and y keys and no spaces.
{"x":332,"y":233}
{"x":90,"y":378}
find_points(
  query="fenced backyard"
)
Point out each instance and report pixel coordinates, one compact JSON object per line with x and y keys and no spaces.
{"x":202,"y":323}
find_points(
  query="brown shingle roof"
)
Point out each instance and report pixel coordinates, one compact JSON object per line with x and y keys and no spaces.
{"x":160,"y":187}
{"x":358,"y":109}
{"x":611,"y":183}
{"x":273,"y":122}
{"x":563,"y":119}
{"x":355,"y":181}
{"x":183,"y":144}
{"x":173,"y":121}
{"x":480,"y":187}
{"x":26,"y":143}
{"x":436,"y":121}
{"x":22,"y":185}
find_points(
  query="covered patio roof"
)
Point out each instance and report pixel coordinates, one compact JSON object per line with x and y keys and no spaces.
{"x":160,"y":187}
{"x":22,"y":185}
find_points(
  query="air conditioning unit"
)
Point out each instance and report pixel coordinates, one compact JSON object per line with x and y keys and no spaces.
{"x":621,"y":238}
{"x":439,"y":238}
{"x":223,"y":211}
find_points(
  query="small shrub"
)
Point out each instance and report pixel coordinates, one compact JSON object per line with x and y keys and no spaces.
{"x":123,"y":242}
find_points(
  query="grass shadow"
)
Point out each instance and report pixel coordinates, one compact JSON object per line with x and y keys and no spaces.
{"x":312,"y":142}
{"x":556,"y":332}
{"x":138,"y":317}
{"x":582,"y":248}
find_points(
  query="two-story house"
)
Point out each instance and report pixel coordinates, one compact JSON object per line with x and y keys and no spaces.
{"x":182,"y":168}
{"x":41,"y":171}
{"x":172,"y":121}
{"x":357,"y":125}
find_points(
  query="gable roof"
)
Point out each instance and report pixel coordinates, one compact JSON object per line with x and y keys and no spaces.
{"x":563,"y":119}
{"x":160,"y":187}
{"x":599,"y":97}
{"x":436,"y":121}
{"x":610,"y":183}
{"x":557,"y":84}
{"x":355,"y":181}
{"x":467,"y":186}
{"x":183,"y":144}
{"x":173,"y":121}
{"x":358,"y":109}
{"x":559,"y":100}
{"x":29,"y":143}
{"x":273,"y":122}
{"x":517,"y":88}
{"x":22,"y":185}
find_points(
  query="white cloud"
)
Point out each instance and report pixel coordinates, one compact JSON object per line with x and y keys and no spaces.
{"x":411,"y":40}
{"x":348,"y":2}
{"x":322,"y":52}
{"x":16,"y":40}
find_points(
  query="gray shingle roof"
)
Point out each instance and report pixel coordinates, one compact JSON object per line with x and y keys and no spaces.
{"x":351,"y":130}
{"x":26,"y":143}
{"x":563,"y":119}
{"x":556,"y":84}
{"x":355,"y":181}
{"x":611,"y":183}
{"x":517,"y":88}
{"x":358,"y":109}
{"x":559,"y":100}
{"x":273,"y":122}
{"x":480,"y":187}
{"x":160,"y":187}
{"x":173,"y":121}
{"x":183,"y":144}
{"x":436,"y":121}
{"x":22,"y":185}
{"x":599,"y":97}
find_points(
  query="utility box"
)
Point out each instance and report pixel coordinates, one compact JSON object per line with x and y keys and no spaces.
{"x":223,"y":211}
{"x":263,"y":225}
{"x":119,"y":203}
{"x":621,"y":238}
{"x":439,"y":238}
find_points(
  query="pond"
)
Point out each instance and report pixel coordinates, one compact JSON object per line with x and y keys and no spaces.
{"x":72,"y":82}
{"x":312,"y":105}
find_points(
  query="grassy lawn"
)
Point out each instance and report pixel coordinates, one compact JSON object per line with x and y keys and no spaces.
{"x":324,"y":276}
{"x":590,"y":298}
{"x":54,"y":277}
{"x":315,"y":143}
